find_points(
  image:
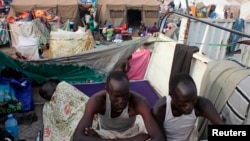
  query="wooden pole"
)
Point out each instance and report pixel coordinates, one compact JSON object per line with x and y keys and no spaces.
{"x":188,"y":23}
{"x":187,"y":9}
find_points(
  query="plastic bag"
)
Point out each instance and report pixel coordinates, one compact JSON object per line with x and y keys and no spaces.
{"x":15,"y":95}
{"x":8,"y":101}
{"x":23,"y":92}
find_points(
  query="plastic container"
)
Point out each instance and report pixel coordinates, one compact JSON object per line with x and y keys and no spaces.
{"x":130,"y":30}
{"x":39,"y":136}
{"x":11,"y":126}
{"x":71,"y":26}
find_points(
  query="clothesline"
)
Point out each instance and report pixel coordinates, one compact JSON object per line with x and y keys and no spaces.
{"x":215,"y":45}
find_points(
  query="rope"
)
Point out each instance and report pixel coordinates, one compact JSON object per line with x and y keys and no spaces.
{"x":215,"y":45}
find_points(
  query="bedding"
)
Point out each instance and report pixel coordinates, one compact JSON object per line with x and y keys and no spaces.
{"x":142,"y":87}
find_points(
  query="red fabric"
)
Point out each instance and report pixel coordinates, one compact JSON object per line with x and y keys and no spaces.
{"x":124,"y":27}
{"x":121,"y":29}
{"x":138,"y":64}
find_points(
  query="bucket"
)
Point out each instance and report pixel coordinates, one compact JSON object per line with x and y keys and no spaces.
{"x":108,"y":38}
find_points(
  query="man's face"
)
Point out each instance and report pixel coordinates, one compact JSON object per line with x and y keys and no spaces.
{"x":119,"y":94}
{"x":184,"y":97}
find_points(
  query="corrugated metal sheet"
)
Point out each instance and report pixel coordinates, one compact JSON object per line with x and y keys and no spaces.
{"x":212,"y":41}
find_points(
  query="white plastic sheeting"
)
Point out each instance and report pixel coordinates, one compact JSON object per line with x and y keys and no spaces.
{"x":28,"y":47}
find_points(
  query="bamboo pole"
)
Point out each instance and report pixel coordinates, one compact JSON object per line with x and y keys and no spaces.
{"x":187,"y":9}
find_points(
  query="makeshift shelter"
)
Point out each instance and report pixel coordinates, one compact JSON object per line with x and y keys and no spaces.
{"x":118,"y":12}
{"x":65,"y":43}
{"x":66,"y":9}
{"x":34,"y":28}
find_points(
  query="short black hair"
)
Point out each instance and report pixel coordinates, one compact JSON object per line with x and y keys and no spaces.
{"x":117,"y":75}
{"x":48,"y":88}
{"x":177,"y":78}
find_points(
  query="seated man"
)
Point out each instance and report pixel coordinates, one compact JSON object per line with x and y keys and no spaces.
{"x":109,"y":32}
{"x":117,"y":108}
{"x":176,"y":113}
{"x":153,"y":29}
{"x":142,"y":29}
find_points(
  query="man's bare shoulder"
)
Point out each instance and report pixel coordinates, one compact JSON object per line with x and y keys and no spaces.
{"x":97,"y":101}
{"x":99,"y":93}
{"x":137,"y":98}
{"x":137,"y":104}
{"x":201,"y":105}
{"x":98,"y":98}
{"x":201,"y":101}
{"x":161,"y":102}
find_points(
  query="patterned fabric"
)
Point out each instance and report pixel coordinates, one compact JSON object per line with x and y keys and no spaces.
{"x":233,"y":112}
{"x":66,"y":43}
{"x":63,"y":112}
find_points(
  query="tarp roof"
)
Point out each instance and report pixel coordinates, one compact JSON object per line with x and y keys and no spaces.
{"x":67,"y":9}
{"x":142,"y":5}
{"x":66,"y":2}
{"x":49,"y":3}
{"x":23,"y":2}
{"x":130,"y":2}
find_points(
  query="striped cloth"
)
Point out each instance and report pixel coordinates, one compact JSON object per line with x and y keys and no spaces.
{"x":236,"y":109}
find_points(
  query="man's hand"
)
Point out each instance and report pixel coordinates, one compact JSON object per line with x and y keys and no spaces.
{"x":141,"y":137}
{"x":91,"y":132}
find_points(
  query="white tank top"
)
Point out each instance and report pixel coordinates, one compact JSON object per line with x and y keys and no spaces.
{"x":120,"y":123}
{"x":177,"y":128}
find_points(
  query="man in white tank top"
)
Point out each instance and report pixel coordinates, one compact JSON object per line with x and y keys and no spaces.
{"x":117,"y":108}
{"x":177,"y":112}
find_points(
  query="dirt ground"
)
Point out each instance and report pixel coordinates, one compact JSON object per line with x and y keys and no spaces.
{"x":8,"y":50}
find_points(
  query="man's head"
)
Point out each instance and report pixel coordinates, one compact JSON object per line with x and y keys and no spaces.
{"x":48,"y":88}
{"x":183,"y":92}
{"x":117,"y":87}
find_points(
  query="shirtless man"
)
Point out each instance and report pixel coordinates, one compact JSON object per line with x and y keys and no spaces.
{"x":177,"y":112}
{"x":117,"y":107}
